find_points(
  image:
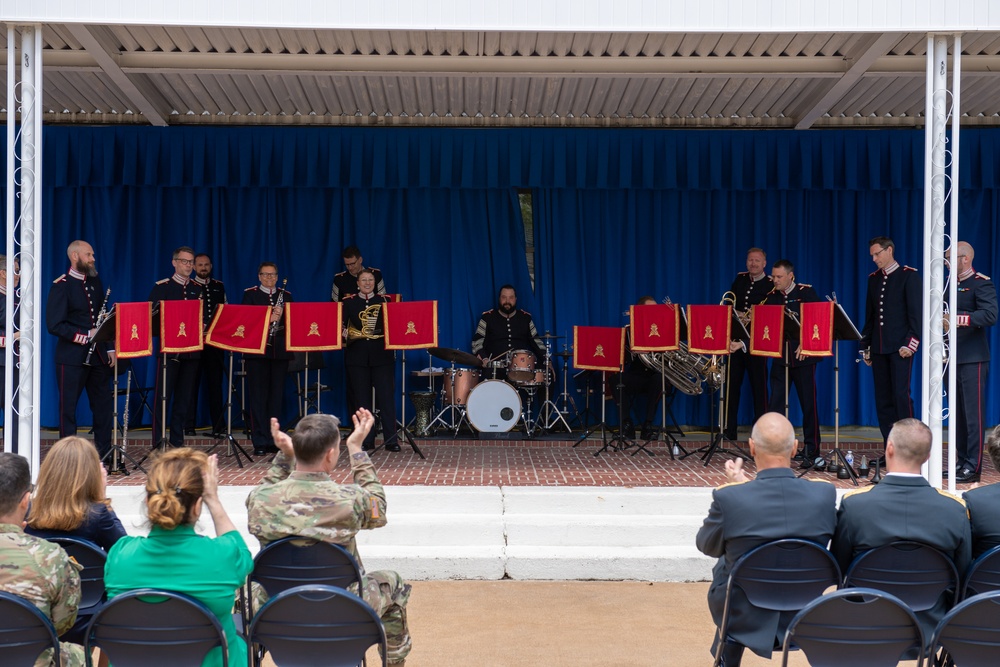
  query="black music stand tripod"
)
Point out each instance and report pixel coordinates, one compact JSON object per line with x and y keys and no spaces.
{"x":233,"y":447}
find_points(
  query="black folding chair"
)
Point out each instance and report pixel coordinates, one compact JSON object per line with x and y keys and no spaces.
{"x":970,"y":633}
{"x":149,"y":627}
{"x":782,"y":575}
{"x":983,"y":574}
{"x":298,"y":561}
{"x":317,"y":625}
{"x":25,"y":632}
{"x":92,"y":593}
{"x":855,"y":626}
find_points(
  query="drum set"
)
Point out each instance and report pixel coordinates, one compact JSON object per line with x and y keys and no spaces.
{"x":490,"y":396}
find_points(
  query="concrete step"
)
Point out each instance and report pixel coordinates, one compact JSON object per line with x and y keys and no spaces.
{"x":611,"y":563}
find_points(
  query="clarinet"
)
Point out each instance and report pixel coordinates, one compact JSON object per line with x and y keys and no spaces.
{"x":279,"y":303}
{"x":101,"y":316}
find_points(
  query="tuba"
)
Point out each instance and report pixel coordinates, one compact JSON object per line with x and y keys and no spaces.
{"x":682,"y":369}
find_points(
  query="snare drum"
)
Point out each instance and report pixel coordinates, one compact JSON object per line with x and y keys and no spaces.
{"x":521,"y":366}
{"x":494,"y":407}
{"x":458,"y":383}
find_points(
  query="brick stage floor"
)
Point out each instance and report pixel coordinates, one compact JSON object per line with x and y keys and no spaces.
{"x":540,"y":462}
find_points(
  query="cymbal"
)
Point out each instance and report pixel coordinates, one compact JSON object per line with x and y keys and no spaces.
{"x":565,"y":355}
{"x":459,"y":357}
{"x":548,"y":336}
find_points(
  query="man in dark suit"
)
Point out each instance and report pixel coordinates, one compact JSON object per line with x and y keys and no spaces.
{"x":983,"y":504}
{"x":9,"y":277}
{"x":71,"y":313}
{"x":801,"y":368}
{"x":891,"y":334}
{"x":745,"y":514}
{"x":903,"y":506}
{"x":212,"y":368}
{"x":977,"y":309}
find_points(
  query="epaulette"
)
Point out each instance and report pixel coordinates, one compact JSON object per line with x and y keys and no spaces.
{"x":946,"y":494}
{"x":340,"y":274}
{"x":215,"y":280}
{"x":804,"y":285}
{"x":161,"y":282}
{"x":487,"y":312}
{"x":908,"y":268}
{"x":526,"y":313}
{"x":250,"y":289}
{"x":982,"y":275}
{"x":349,"y":296}
{"x":816,"y":479}
{"x":373,"y":269}
{"x":59,"y":279}
{"x":718,"y":488}
{"x":874,"y":272}
{"x":857,"y":491}
{"x":743,"y":273}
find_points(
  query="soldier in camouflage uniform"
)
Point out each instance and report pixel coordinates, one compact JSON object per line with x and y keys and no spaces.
{"x":32,"y":568}
{"x":306,"y":502}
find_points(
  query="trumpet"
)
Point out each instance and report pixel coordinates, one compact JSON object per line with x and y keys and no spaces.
{"x":101,"y":317}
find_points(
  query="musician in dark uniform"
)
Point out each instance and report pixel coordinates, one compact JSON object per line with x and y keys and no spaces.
{"x":977,"y":309}
{"x":71,"y":314}
{"x":904,"y":506}
{"x":638,"y":379}
{"x":212,"y":369}
{"x":8,"y":280}
{"x":983,"y":504}
{"x":801,"y":369}
{"x":266,"y":373}
{"x":345,"y":283}
{"x":507,"y":328}
{"x":891,"y":334}
{"x":750,"y":288}
{"x":745,"y":514}
{"x":369,"y":364}
{"x":181,"y":368}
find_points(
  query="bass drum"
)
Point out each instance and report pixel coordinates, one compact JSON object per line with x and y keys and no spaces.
{"x":494,"y":407}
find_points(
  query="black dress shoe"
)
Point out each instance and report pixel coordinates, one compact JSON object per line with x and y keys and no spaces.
{"x":805,"y":464}
{"x":190,"y":431}
{"x":368,"y":447}
{"x":966,"y":476}
{"x":392,"y":447}
{"x":798,"y":457}
{"x":260,"y":451}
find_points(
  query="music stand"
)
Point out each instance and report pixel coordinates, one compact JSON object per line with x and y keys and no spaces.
{"x":843,"y":329}
{"x":233,"y":447}
{"x":104,"y":333}
{"x":136,"y":314}
{"x":600,"y":349}
{"x":717,"y":428}
{"x":401,"y":322}
{"x":640,"y":342}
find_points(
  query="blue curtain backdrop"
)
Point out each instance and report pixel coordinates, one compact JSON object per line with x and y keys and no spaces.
{"x":617,"y":213}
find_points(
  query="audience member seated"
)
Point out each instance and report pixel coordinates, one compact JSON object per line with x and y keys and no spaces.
{"x":904,"y":506}
{"x":983,"y":504}
{"x":180,"y":482}
{"x":306,"y":502}
{"x":70,"y":497}
{"x":34,"y":569}
{"x":745,"y":514}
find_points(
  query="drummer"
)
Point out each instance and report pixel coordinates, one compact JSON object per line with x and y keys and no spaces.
{"x":502,"y":330}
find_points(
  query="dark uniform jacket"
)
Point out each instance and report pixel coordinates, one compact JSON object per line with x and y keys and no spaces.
{"x":977,"y":309}
{"x":213,"y":295}
{"x":893,"y":311}
{"x":344,"y":284}
{"x":773,"y":506}
{"x":357,"y":313}
{"x":800,"y":293}
{"x":71,"y":312}
{"x":984,"y":511}
{"x":256,"y":296}
{"x":169,"y":289}
{"x":496,"y":334}
{"x":903,"y":507}
{"x":750,"y":292}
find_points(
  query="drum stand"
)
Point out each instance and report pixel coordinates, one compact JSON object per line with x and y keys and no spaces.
{"x":549,"y":408}
{"x":565,"y":398}
{"x":233,"y":448}
{"x":450,"y":409}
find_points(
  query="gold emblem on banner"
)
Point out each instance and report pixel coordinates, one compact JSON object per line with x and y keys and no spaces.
{"x":767,"y":333}
{"x":815,"y":332}
{"x":599,"y":351}
{"x":654,"y":330}
{"x":708,"y":333}
{"x":182,"y":330}
{"x":241,"y":332}
{"x":313,"y":329}
{"x":411,"y":328}
{"x":135,"y":332}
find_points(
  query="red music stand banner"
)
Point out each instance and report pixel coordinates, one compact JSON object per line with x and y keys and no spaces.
{"x":240,"y":328}
{"x":655,"y":327}
{"x":133,"y":330}
{"x":767,"y":330}
{"x":598,"y":348}
{"x":181,"y":326}
{"x":817,"y":329}
{"x":412,"y":325}
{"x":313,"y":326}
{"x":709,"y":329}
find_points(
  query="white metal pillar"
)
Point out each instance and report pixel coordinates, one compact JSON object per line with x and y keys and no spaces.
{"x":940,"y":189}
{"x":24,"y":177}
